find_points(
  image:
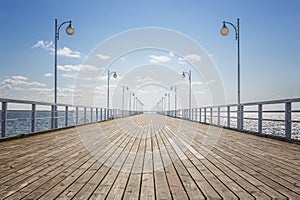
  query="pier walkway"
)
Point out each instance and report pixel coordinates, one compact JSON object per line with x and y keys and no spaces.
{"x":148,"y":156}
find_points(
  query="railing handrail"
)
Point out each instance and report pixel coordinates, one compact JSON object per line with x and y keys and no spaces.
{"x":278,"y":101}
{"x":20,"y":101}
{"x":90,"y":114}
{"x":208,"y":113}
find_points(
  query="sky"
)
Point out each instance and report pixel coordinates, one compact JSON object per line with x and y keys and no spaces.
{"x":270,"y":64}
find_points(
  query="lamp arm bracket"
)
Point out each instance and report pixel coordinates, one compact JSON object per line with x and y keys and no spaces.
{"x":235,"y":29}
{"x":59,"y":26}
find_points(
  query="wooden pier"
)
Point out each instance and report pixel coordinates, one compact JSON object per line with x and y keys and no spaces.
{"x":148,"y":156}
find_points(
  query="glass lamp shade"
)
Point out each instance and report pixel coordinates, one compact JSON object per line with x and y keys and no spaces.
{"x":115,"y":75}
{"x":183,"y":75}
{"x":224,"y":31}
{"x":70,"y":30}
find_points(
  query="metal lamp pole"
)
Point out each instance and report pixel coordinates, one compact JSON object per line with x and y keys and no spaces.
{"x":123,"y":102}
{"x":108,"y":78}
{"x":70,"y":31}
{"x":175,"y":97}
{"x":224,"y":31}
{"x":169,"y":103}
{"x":130,"y":94}
{"x":190,"y":89}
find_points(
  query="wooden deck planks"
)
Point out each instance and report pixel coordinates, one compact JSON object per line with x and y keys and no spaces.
{"x":148,"y":157}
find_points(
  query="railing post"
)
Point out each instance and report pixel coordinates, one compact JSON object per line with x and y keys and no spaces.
{"x":204,"y":115}
{"x":4,"y":119}
{"x":91,"y":115}
{"x":200,"y":115}
{"x":288,"y":119}
{"x":77,"y":115}
{"x":193,"y":114}
{"x":66,"y":115}
{"x":97,"y":114}
{"x":211,"y":115}
{"x":53,"y":108}
{"x":219,"y":117}
{"x":242,"y":117}
{"x":260,"y":113}
{"x":101,"y":114}
{"x":228,"y":116}
{"x":33,"y":117}
{"x":84,"y":115}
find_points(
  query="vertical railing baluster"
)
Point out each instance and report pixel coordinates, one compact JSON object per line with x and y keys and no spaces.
{"x":101,"y":114}
{"x":260,"y":118}
{"x":84,"y":115}
{"x":204,"y":115}
{"x":53,"y":108}
{"x":4,"y":119}
{"x":200,"y":115}
{"x":288,"y":119}
{"x":211,"y":115}
{"x":193,"y":114}
{"x":77,"y":115}
{"x":33,"y":117}
{"x":219,"y":117}
{"x":228,"y":116}
{"x":242,"y":117}
{"x":91,"y":115}
{"x":97,"y":114}
{"x":66,"y":115}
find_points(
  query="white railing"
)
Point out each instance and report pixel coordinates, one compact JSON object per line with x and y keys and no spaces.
{"x":276,"y":118}
{"x":32,"y":116}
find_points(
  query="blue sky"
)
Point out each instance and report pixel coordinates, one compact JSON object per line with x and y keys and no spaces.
{"x":270,"y":64}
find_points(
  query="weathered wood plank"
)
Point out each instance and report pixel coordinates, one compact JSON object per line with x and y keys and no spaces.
{"x":148,"y":157}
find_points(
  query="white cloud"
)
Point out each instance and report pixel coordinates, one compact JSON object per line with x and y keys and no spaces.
{"x":197,"y":83}
{"x":35,"y":84}
{"x":42,"y":90}
{"x":158,"y":59}
{"x":199,"y":92}
{"x":69,"y":68}
{"x":171,"y":54}
{"x":193,"y":57}
{"x":48,"y":46}
{"x":161,"y":58}
{"x":68,"y":75}
{"x":103,"y":57}
{"x":19,"y":80}
{"x":190,"y":57}
{"x":146,"y":80}
{"x":48,"y":75}
{"x":210,"y":82}
{"x":23,"y":78}
{"x":67,"y":52}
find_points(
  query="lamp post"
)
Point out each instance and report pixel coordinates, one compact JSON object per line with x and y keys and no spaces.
{"x":135,"y":103}
{"x":129,"y":106}
{"x":70,"y":31}
{"x":175,"y":97}
{"x":123,"y":97}
{"x":167,"y":94}
{"x":109,"y":74}
{"x":224,"y":31}
{"x":190,"y":89}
